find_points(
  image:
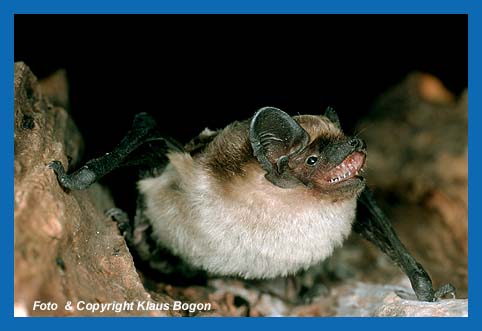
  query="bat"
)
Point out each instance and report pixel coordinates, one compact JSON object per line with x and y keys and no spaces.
{"x":261,"y":198}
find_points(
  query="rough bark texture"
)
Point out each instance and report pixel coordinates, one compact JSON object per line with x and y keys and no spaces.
{"x":67,"y":250}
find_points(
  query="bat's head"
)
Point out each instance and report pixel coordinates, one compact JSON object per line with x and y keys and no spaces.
{"x":308,"y":150}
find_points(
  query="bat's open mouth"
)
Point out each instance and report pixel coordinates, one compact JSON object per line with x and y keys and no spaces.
{"x":349,"y":168}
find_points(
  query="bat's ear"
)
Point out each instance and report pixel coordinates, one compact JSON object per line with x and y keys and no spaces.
{"x":331,"y":114}
{"x":274,"y":136}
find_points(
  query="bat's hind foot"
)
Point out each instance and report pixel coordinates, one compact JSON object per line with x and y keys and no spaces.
{"x":309,"y":295}
{"x":122,"y":220}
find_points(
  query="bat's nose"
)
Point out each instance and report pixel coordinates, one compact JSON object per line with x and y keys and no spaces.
{"x":357,"y":144}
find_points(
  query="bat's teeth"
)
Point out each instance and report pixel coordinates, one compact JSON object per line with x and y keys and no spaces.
{"x":348,"y":168}
{"x":335,"y":179}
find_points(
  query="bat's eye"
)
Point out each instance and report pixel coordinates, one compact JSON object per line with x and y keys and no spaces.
{"x":311,"y":160}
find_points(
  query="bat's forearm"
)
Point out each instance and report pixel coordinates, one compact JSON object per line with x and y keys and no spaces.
{"x":143,"y":130}
{"x":374,"y":226}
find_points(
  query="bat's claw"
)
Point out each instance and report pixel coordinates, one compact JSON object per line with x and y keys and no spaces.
{"x":59,"y":170}
{"x":443,"y":291}
{"x":121,"y":218}
{"x":57,"y":167}
{"x":79,"y":180}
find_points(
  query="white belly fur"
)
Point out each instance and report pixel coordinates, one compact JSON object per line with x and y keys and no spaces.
{"x":252,"y":231}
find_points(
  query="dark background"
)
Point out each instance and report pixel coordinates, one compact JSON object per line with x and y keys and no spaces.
{"x":193,"y":71}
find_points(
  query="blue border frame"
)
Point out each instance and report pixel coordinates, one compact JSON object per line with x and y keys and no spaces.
{"x":10,"y":7}
{"x":240,"y":6}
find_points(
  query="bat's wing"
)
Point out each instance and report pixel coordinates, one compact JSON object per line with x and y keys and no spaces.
{"x":143,"y":146}
{"x":373,"y":225}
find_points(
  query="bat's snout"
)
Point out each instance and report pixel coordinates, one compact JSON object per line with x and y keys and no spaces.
{"x":358,"y":144}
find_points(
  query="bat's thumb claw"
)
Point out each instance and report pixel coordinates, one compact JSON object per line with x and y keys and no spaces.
{"x":57,"y":167}
{"x":445,"y":290}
